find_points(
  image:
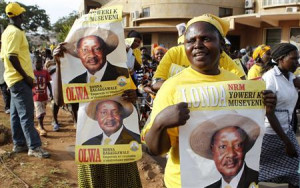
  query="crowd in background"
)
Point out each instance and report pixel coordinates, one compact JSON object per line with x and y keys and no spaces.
{"x":277,"y":66}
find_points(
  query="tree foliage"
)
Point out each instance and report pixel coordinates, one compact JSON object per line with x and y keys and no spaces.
{"x":34,"y":17}
{"x":63,"y":25}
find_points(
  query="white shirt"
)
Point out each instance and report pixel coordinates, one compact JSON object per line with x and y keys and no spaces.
{"x":235,"y":181}
{"x":287,"y":96}
{"x":130,"y":60}
{"x":113,"y":137}
{"x":99,"y":74}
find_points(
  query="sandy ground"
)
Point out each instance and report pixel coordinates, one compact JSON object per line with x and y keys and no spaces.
{"x":60,"y":170}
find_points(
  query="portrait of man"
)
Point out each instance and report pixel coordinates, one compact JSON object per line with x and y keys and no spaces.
{"x":91,"y":46}
{"x":226,"y":139}
{"x":110,"y":115}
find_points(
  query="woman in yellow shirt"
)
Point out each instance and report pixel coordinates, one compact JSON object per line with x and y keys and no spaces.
{"x":203,"y":45}
{"x":261,"y":56}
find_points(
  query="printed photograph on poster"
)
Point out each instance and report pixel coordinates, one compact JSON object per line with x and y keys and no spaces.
{"x":109,"y":125}
{"x":220,"y":144}
{"x":94,"y":66}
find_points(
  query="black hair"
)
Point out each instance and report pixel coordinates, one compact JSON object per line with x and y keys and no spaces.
{"x":282,"y":50}
{"x":48,"y":53}
{"x":146,"y":56}
{"x":37,"y":59}
{"x":134,"y":34}
{"x":143,"y":48}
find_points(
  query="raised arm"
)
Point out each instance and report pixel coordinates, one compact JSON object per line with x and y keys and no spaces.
{"x":58,"y":94}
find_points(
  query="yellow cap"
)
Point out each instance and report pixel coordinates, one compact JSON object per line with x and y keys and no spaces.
{"x":260,"y":51}
{"x":14,"y":9}
{"x":219,"y":23}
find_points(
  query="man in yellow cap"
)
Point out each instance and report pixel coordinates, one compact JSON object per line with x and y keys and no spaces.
{"x":20,"y":78}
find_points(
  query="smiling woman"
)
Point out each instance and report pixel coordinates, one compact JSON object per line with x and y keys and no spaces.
{"x":203,"y":45}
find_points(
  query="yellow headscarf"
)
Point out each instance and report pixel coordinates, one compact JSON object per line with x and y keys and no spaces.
{"x":219,"y":23}
{"x":180,"y":39}
{"x":260,"y":51}
{"x":158,"y":48}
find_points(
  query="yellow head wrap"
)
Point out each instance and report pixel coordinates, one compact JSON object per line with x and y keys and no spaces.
{"x":180,"y":39}
{"x":260,"y":51}
{"x":219,"y":23}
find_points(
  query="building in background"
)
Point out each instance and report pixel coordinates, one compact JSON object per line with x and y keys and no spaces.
{"x":252,"y":22}
{"x":267,"y":21}
{"x":157,"y":19}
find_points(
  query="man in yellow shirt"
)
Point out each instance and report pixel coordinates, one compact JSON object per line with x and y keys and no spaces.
{"x":175,"y":60}
{"x":20,"y":78}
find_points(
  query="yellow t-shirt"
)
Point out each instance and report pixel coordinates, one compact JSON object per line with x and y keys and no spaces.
{"x":166,"y":97}
{"x":14,"y":43}
{"x":254,"y":72}
{"x":138,"y":55}
{"x":175,"y":60}
{"x":297,"y":72}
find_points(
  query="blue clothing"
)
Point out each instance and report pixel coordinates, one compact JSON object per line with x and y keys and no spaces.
{"x":22,"y":116}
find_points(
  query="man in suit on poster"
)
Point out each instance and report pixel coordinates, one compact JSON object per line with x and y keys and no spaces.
{"x":110,"y":114}
{"x":91,"y":46}
{"x":226,"y":140}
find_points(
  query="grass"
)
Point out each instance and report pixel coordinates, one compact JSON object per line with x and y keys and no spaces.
{"x":57,"y":171}
{"x":62,"y":184}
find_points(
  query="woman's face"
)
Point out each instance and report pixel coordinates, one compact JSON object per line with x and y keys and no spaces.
{"x":266,"y":57}
{"x":159,"y":54}
{"x":203,"y":47}
{"x":290,"y":62}
{"x":136,"y":43}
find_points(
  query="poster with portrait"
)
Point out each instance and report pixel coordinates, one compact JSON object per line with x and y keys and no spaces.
{"x":107,"y":132}
{"x":94,"y":65}
{"x":94,"y":75}
{"x":220,"y":144}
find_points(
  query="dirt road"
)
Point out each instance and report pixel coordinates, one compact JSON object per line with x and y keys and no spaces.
{"x":60,"y":170}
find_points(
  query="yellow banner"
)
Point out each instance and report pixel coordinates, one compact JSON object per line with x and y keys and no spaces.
{"x":229,"y":95}
{"x":74,"y":93}
{"x":108,"y":154}
{"x":103,"y":15}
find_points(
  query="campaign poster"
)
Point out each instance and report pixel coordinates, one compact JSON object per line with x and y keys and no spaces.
{"x":94,"y":66}
{"x":107,"y":132}
{"x":94,"y":75}
{"x":220,"y":144}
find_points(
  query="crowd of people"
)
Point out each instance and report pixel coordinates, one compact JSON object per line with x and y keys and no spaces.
{"x":203,"y":55}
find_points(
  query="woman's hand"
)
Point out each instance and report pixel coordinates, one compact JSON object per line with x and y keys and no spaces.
{"x":290,"y":149}
{"x":129,"y":95}
{"x":269,"y":99}
{"x":148,"y":89}
{"x":59,"y":51}
{"x":173,"y":116}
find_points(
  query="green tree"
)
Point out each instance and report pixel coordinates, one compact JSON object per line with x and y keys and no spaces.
{"x":63,"y":25}
{"x":34,"y":17}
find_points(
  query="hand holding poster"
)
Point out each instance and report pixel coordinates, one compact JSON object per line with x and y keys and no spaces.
{"x":223,"y":146}
{"x":94,"y":66}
